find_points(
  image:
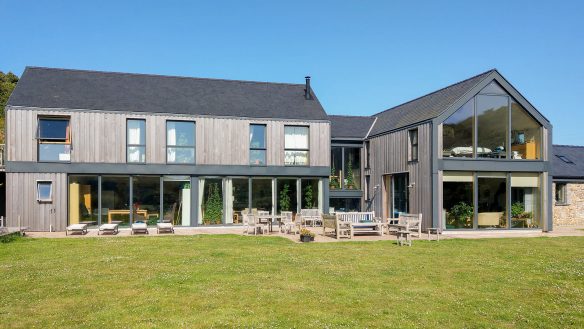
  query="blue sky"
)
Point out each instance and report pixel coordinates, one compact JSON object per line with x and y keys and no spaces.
{"x":364,"y":56}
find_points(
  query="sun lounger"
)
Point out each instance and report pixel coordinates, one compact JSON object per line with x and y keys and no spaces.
{"x":139,"y":228}
{"x":82,"y":228}
{"x":164,"y":227}
{"x":109,"y":228}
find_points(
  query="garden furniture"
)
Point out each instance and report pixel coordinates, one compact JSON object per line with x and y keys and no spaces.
{"x":109,"y":228}
{"x":80,"y":228}
{"x":139,"y":227}
{"x":164,"y":228}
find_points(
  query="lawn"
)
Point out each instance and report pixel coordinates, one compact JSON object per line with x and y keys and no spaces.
{"x":236,"y":281}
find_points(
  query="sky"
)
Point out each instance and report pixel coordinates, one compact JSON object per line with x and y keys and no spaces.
{"x":363,"y":56}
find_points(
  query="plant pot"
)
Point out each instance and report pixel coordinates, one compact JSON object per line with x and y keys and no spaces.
{"x":306,"y":238}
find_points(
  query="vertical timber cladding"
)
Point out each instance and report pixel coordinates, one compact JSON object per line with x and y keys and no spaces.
{"x":21,"y":201}
{"x":389,"y":154}
{"x":100,"y":137}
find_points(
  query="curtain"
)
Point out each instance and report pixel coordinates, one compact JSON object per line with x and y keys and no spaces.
{"x":171,"y":141}
{"x":201,"y":191}
{"x":229,"y":201}
{"x":296,"y":137}
{"x":134,"y":138}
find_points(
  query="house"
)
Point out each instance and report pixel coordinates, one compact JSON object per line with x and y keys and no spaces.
{"x":568,"y":177}
{"x":96,"y":147}
{"x":101,"y":147}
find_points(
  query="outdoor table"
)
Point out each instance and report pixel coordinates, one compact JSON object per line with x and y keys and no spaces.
{"x":270,"y":219}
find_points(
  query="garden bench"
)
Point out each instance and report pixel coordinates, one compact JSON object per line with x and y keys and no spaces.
{"x":407,"y":222}
{"x":362,"y":222}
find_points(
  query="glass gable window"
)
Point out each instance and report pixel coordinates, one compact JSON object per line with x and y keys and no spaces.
{"x":180,"y":142}
{"x":257,"y":145}
{"x":54,"y":139}
{"x":136,"y":146}
{"x":504,"y":129}
{"x":296,"y":149}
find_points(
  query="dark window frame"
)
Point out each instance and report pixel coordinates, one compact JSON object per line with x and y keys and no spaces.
{"x":193,"y":147}
{"x":307,"y":150}
{"x":264,"y":149}
{"x":128,"y":145}
{"x":561,"y":194}
{"x":38,"y":197}
{"x":413,"y":149}
{"x":53,"y":141}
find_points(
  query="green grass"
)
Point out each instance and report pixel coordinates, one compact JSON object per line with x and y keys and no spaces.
{"x":235,"y":281}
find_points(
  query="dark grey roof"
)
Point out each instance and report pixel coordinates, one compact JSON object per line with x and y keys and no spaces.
{"x":347,"y":126}
{"x":424,"y":108}
{"x":562,"y":169}
{"x":78,"y":89}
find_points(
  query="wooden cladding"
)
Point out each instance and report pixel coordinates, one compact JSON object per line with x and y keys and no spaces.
{"x":100,"y":137}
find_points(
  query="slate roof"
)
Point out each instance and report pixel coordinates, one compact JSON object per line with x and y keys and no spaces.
{"x":109,"y":91}
{"x":424,"y":108}
{"x":574,"y":154}
{"x":347,"y":126}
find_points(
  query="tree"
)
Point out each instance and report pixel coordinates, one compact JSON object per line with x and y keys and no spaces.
{"x":7,"y":83}
{"x":214,"y":205}
{"x":285,"y":201}
{"x":350,"y":175}
{"x":308,"y":197}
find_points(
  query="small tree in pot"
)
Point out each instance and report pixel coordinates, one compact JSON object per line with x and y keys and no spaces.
{"x":285,"y":200}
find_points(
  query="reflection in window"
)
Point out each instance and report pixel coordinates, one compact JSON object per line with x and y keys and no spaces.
{"x":286,"y":197}
{"x":492,"y":119}
{"x":136,"y":148}
{"x":352,"y":170}
{"x":525,"y":200}
{"x":176,"y":200}
{"x":257,"y":145}
{"x":115,"y":199}
{"x":492,"y":197}
{"x":296,"y":150}
{"x":54,"y":139}
{"x":413,"y":144}
{"x":400,"y":194}
{"x":336,"y":167}
{"x":83,"y":200}
{"x":458,"y":131}
{"x":146,"y":199}
{"x":561,"y":195}
{"x":310,"y":198}
{"x":261,"y":194}
{"x":525,"y":134}
{"x":180,"y":142}
{"x":457,"y":193}
{"x":345,"y":204}
{"x":237,"y":192}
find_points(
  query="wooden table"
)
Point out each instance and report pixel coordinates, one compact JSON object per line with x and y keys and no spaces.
{"x":270,"y":219}
{"x":142,"y":212}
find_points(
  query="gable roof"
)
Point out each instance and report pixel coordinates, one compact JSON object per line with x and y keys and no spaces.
{"x":109,"y":91}
{"x":426,"y":107}
{"x":564,"y":170}
{"x":348,"y":126}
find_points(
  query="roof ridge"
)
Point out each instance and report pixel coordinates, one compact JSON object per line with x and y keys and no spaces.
{"x":160,"y":75}
{"x":567,"y":145}
{"x":351,"y":116}
{"x":436,"y":91}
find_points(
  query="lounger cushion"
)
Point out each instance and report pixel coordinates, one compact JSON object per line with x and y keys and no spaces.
{"x":77,"y":227}
{"x":108,"y":227}
{"x":139,"y":226}
{"x":164,"y":225}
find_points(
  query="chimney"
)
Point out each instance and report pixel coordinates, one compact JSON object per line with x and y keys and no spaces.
{"x":307,"y":94}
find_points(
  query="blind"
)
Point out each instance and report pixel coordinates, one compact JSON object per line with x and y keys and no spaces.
{"x":295,"y":137}
{"x":457,"y":177}
{"x":524,"y":180}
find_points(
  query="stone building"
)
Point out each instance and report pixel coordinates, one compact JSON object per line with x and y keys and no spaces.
{"x":568,"y":177}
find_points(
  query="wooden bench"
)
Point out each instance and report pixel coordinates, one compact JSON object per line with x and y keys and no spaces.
{"x":407,"y":222}
{"x":340,"y":228}
{"x":362,"y":222}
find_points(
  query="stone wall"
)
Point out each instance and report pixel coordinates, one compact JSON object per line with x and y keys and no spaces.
{"x":571,"y":214}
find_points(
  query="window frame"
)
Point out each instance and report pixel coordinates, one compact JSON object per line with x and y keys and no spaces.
{"x":265,"y":148}
{"x":563,"y":201}
{"x":39,"y":182}
{"x":413,"y":146}
{"x":193,"y":147}
{"x":128,"y":145}
{"x":53,"y":141}
{"x":307,"y":150}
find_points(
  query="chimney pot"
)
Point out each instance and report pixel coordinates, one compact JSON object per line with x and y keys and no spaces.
{"x":307,"y":94}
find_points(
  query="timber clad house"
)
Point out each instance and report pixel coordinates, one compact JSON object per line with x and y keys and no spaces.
{"x":97,"y":147}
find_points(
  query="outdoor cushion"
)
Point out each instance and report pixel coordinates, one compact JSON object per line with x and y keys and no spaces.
{"x":107,"y":227}
{"x":140,"y":226}
{"x":76,"y":227}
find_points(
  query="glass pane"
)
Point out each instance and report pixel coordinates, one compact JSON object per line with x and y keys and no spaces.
{"x":352,"y":168}
{"x":180,"y":155}
{"x":310,"y":194}
{"x":146,"y":199}
{"x":55,"y":152}
{"x":180,"y":133}
{"x":115,"y":199}
{"x":240,"y":199}
{"x":345,"y":204}
{"x":458,"y":131}
{"x":525,"y":134}
{"x":136,"y":132}
{"x":492,"y":202}
{"x":176,"y":200}
{"x":493,"y":88}
{"x":53,"y":129}
{"x":336,"y":167}
{"x":457,"y":207}
{"x":44,"y":191}
{"x":137,"y":154}
{"x":257,"y":136}
{"x":492,"y":118}
{"x":295,"y":137}
{"x":287,"y":200}
{"x":400,"y":194}
{"x":257,"y":157}
{"x":296,"y":158}
{"x":83,"y":200}
{"x":525,"y":201}
{"x":261,"y":197}
{"x":212,"y":203}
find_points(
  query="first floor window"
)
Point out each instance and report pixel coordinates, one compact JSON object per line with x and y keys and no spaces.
{"x":54,"y":139}
{"x":136,"y":147}
{"x":561,"y":193}
{"x":296,"y":149}
{"x":180,"y":142}
{"x":413,"y":145}
{"x":257,"y":145}
{"x":44,"y":191}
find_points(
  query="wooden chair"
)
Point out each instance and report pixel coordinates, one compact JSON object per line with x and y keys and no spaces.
{"x":288,"y":226}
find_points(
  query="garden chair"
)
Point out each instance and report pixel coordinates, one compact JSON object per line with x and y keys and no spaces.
{"x":287,"y":225}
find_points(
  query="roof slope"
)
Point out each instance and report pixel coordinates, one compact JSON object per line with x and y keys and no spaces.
{"x":347,"y":126}
{"x":108,"y":91}
{"x":424,"y":108}
{"x":561,"y":169}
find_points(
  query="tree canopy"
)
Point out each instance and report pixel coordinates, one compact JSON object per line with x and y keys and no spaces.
{"x":7,"y":83}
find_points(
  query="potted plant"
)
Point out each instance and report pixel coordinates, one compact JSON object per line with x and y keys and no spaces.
{"x":285,"y":200}
{"x":461,"y":214}
{"x":334,"y":179}
{"x":350,"y":180}
{"x":306,"y":235}
{"x":308,"y":197}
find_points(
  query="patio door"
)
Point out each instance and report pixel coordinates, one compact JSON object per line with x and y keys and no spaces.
{"x":395,"y":195}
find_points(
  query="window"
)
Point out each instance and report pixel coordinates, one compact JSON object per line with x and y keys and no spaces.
{"x":296,"y":146}
{"x":458,"y":132}
{"x":336,"y":168}
{"x":367,"y":155}
{"x":54,"y":139}
{"x":492,"y":121}
{"x":352,"y":169}
{"x":561,"y":193}
{"x":413,"y":144}
{"x":457,"y":200}
{"x":180,"y":142}
{"x":136,"y":134}
{"x":44,"y":191}
{"x":257,"y":145}
{"x":565,"y":159}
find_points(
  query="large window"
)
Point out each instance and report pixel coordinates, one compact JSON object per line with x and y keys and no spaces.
{"x":115,"y":199}
{"x":296,"y":149}
{"x":492,"y":125}
{"x":54,"y":139}
{"x":146,"y":199}
{"x":492,"y":201}
{"x":345,"y":204}
{"x":400,"y":194}
{"x":261,"y":194}
{"x":457,"y":194}
{"x":136,"y":134}
{"x":413,"y":144}
{"x":336,"y":168}
{"x":176,"y":200}
{"x":257,"y":145}
{"x":83,"y":200}
{"x":180,"y":142}
{"x":310,"y":197}
{"x":237,"y":194}
{"x":211,"y":200}
{"x":525,"y":200}
{"x":352,"y":169}
{"x":287,"y":196}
